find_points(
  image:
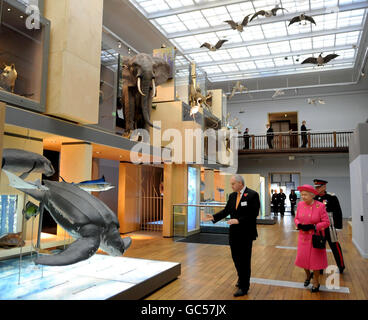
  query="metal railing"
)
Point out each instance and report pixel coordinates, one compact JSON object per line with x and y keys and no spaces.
{"x":293,"y":140}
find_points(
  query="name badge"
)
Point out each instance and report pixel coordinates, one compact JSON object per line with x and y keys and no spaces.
{"x":243,"y":204}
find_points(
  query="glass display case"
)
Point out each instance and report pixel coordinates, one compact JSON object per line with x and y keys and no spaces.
{"x":182,"y":79}
{"x":24,"y":45}
{"x":108,"y":115}
{"x":182,"y":218}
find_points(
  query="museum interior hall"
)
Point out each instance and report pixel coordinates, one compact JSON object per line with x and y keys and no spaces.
{"x":184,"y":150}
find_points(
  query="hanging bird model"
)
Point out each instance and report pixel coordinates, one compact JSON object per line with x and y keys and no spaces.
{"x":320,"y":61}
{"x":238,"y":26}
{"x":278,"y":92}
{"x":302,"y":19}
{"x":268,"y":13}
{"x":215,"y":47}
{"x":238,"y":87}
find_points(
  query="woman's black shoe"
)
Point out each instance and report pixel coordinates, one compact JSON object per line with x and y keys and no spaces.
{"x":307,"y":281}
{"x":315,"y":289}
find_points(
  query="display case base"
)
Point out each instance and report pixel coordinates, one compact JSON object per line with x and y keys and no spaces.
{"x":101,"y":277}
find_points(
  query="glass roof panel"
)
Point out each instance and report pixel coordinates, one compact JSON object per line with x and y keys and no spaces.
{"x":274,"y":46}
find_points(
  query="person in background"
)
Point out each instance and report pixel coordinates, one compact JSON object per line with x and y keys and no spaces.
{"x":303,"y":130}
{"x":275,"y":202}
{"x":281,"y":200}
{"x":243,"y":207}
{"x":270,"y":136}
{"x":292,"y":198}
{"x":246,"y":138}
{"x":335,"y":215}
{"x":311,"y":215}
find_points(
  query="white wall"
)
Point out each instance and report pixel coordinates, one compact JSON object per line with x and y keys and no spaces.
{"x":359,"y":205}
{"x":332,"y":168}
{"x":341,"y":112}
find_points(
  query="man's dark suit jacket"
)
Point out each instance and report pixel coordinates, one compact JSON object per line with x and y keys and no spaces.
{"x":246,"y":214}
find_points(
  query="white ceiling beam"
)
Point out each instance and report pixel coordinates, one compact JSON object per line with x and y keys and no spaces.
{"x":283,"y":17}
{"x":278,"y":39}
{"x":273,"y":56}
{"x":213,"y":4}
{"x":273,"y":71}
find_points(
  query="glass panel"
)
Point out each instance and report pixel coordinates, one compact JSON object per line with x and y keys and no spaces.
{"x":21,"y":52}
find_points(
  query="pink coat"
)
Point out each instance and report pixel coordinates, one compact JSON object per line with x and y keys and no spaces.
{"x":308,"y":257}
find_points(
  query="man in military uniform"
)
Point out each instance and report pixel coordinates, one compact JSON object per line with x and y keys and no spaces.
{"x":335,"y":214}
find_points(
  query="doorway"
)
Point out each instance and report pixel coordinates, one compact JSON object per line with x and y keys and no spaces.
{"x":286,"y":181}
{"x":284,"y":122}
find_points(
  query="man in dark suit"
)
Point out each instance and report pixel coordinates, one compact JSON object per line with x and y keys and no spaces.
{"x":292,"y":197}
{"x":282,"y":198}
{"x":335,"y":215}
{"x":246,"y":138}
{"x":270,"y":136}
{"x":303,"y":130}
{"x":275,"y":202}
{"x":243,"y":207}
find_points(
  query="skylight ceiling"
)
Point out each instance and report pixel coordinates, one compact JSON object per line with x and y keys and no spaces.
{"x":267,"y":46}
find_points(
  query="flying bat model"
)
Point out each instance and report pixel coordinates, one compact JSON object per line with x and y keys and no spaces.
{"x":267,"y":13}
{"x":215,"y":47}
{"x":238,"y":26}
{"x":302,"y":18}
{"x":320,"y":61}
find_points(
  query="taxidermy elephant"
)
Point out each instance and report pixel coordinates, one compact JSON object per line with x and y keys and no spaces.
{"x":141,"y":74}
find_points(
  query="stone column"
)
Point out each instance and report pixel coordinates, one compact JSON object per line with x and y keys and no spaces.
{"x":74,"y":61}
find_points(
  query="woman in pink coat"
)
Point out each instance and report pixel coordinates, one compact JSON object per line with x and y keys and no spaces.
{"x":311,"y":215}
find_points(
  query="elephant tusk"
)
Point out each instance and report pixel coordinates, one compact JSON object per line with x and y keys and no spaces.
{"x":153,"y":88}
{"x":139,"y":87}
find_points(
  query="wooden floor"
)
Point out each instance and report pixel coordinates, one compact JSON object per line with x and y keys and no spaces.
{"x":208,"y":271}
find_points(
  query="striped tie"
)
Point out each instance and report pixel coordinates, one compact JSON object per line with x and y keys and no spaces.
{"x":238,"y":200}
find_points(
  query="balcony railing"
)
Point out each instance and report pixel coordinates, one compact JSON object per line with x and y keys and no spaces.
{"x":286,"y":141}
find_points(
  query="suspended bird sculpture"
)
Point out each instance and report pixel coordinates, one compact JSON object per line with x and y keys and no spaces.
{"x":215,"y":47}
{"x":238,"y":26}
{"x":278,"y":92}
{"x":238,"y":87}
{"x":320,"y":61}
{"x":267,"y":13}
{"x":315,"y":101}
{"x":302,"y":18}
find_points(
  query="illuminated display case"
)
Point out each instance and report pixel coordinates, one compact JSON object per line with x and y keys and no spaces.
{"x":24,"y":45}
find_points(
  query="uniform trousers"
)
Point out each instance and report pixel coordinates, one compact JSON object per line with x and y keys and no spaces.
{"x":241,"y":252}
{"x":336,"y":250}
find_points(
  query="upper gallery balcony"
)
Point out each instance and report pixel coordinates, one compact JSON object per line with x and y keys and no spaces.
{"x":292,"y":142}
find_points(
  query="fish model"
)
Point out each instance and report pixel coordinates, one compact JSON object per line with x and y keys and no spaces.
{"x":94,"y":185}
{"x":30,"y":210}
{"x":82,"y":215}
{"x":25,"y":162}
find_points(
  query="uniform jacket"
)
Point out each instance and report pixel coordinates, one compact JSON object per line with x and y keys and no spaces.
{"x":307,"y":256}
{"x":275,"y":199}
{"x":246,"y":213}
{"x":332,"y":205}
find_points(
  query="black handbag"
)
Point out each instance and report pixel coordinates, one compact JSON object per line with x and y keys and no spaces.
{"x":318,"y":241}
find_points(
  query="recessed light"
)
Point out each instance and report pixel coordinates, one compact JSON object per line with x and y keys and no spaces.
{"x":98,"y":152}
{"x":21,"y":17}
{"x":9,"y":9}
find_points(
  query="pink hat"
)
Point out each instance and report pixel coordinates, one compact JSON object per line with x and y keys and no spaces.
{"x":309,"y":188}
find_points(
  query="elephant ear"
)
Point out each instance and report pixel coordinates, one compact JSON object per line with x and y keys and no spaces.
{"x":128,"y":78}
{"x":162,"y":70}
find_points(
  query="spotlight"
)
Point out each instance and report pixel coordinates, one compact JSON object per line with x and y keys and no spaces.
{"x":9,"y":9}
{"x":119,"y":45}
{"x":363,"y":74}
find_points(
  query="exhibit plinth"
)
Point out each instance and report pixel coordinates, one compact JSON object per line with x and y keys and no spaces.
{"x":101,"y":277}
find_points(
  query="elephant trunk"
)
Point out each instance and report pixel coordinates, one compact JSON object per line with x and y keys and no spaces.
{"x":147,"y":100}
